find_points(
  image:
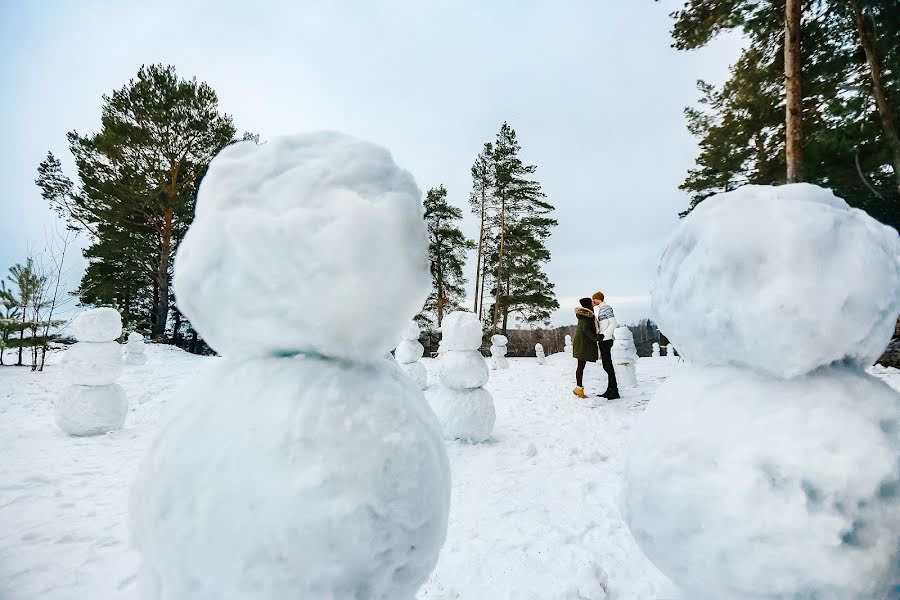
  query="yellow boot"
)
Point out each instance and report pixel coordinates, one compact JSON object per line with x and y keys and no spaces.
{"x":579,"y":391}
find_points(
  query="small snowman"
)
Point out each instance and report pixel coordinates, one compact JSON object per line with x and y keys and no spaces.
{"x":408,"y":353}
{"x":568,"y":348}
{"x":498,"y":352}
{"x":135,"y":350}
{"x":539,"y":353}
{"x":670,"y":352}
{"x":464,"y":408}
{"x":303,"y":464}
{"x":93,"y":403}
{"x":655,"y":350}
{"x":768,"y":467}
{"x":624,"y":356}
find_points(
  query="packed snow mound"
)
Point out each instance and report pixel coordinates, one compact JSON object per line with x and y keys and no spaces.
{"x":463,"y":369}
{"x":411,"y":332}
{"x":807,"y":504}
{"x":97,"y":325}
{"x":92,"y":363}
{"x":349,"y":501}
{"x":417,"y":372}
{"x":466,"y":415}
{"x":134,"y":338}
{"x":783,"y":279}
{"x":91,"y":410}
{"x":499,"y":340}
{"x":282,"y":242}
{"x":408,"y":351}
{"x":460,"y":330}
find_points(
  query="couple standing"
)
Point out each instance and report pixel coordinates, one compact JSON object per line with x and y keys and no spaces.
{"x":596,"y":324}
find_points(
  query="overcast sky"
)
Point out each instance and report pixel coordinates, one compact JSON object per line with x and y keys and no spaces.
{"x":592,"y":88}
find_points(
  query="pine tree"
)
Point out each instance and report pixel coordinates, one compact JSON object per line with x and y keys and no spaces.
{"x":9,"y":321}
{"x":447,"y":248}
{"x":480,"y":201}
{"x":517,"y":230}
{"x":138,"y":178}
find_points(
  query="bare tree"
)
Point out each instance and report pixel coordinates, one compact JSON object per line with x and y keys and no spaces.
{"x":793,"y":91}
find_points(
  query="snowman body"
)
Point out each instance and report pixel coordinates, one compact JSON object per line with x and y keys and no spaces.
{"x":135,"y":350}
{"x":568,"y":349}
{"x":498,"y":352}
{"x":408,"y":354}
{"x":539,"y":354}
{"x":314,"y":468}
{"x":769,"y":467}
{"x":464,"y":408}
{"x":624,"y":357}
{"x":670,"y":352}
{"x":655,"y":353}
{"x":93,"y":403}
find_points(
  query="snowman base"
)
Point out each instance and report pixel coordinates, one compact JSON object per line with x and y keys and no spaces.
{"x":745,"y":486}
{"x":626,"y":375}
{"x":417,"y":372}
{"x":135,"y":358}
{"x":466,"y":415}
{"x":295,"y":477}
{"x":85,"y":410}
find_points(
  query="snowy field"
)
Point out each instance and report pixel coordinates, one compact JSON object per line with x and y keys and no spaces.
{"x":534,"y":513}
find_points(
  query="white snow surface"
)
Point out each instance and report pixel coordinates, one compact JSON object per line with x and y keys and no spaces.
{"x":97,"y":325}
{"x":524,"y":525}
{"x":460,"y":330}
{"x":135,"y":340}
{"x":85,"y":410}
{"x":345,"y":496}
{"x":135,"y":358}
{"x":466,"y":415}
{"x":288,"y":228}
{"x":726,"y":289}
{"x":93,"y":363}
{"x":408,"y":351}
{"x":463,"y":369}
{"x":744,"y":486}
{"x":417,"y":372}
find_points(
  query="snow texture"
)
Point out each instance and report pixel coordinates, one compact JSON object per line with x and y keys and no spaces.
{"x":460,"y":330}
{"x":539,"y":354}
{"x":135,"y":351}
{"x":296,"y":228}
{"x":408,"y":351}
{"x":84,"y":410}
{"x":744,"y":486}
{"x":466,"y":415}
{"x":97,"y":325}
{"x":411,"y":332}
{"x":417,"y":372}
{"x":498,"y":352}
{"x":463,"y":369}
{"x":655,"y":350}
{"x":93,"y":363}
{"x":345,"y":496}
{"x":568,"y":349}
{"x":670,"y":351}
{"x":623,"y":349}
{"x":726,"y":290}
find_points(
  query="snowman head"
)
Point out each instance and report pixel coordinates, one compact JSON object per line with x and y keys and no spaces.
{"x":286,"y":231}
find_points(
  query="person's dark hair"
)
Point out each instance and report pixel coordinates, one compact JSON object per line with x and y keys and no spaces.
{"x":586,"y":303}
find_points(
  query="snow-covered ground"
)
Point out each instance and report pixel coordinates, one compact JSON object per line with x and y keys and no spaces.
{"x":534,"y":513}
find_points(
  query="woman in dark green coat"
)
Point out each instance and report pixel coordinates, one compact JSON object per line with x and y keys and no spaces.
{"x":584,"y":347}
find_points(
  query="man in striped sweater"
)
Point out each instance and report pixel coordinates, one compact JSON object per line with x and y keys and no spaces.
{"x":608,"y":324}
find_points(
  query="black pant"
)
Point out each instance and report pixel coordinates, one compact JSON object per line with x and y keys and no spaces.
{"x":579,"y":373}
{"x":606,"y":357}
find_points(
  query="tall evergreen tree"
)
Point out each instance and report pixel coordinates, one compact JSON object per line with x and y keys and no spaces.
{"x":480,"y":201}
{"x":138,"y":178}
{"x":9,"y":319}
{"x":447,"y":248}
{"x":517,"y":231}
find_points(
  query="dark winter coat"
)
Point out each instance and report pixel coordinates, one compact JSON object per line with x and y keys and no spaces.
{"x":584,"y":346}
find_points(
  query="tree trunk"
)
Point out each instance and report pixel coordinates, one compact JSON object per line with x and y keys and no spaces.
{"x":439,"y":288}
{"x":506,"y":306}
{"x":500,"y":264}
{"x":161,"y":312}
{"x":21,"y":339}
{"x":885,"y":110}
{"x":481,"y":293}
{"x":476,"y":309}
{"x":793,"y":92}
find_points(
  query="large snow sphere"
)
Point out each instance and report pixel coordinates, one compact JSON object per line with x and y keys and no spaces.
{"x":411,"y":332}
{"x":288,"y":235}
{"x":466,"y":415}
{"x":743,"y":486}
{"x":97,"y":325}
{"x":92,"y":363}
{"x":91,"y":410}
{"x":295,"y":477}
{"x":783,"y":279}
{"x":417,"y":372}
{"x":460,"y":330}
{"x":463,"y":369}
{"x":408,"y":351}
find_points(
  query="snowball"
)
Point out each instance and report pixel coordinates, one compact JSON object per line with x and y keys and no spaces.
{"x":91,"y":410}
{"x":499,"y":340}
{"x":288,"y":234}
{"x":466,"y":415}
{"x":134,"y":338}
{"x":135,"y":358}
{"x":460,"y":330}
{"x":463,"y":369}
{"x":92,"y":363}
{"x":298,"y":477}
{"x":739,"y":485}
{"x":408,"y":351}
{"x":411,"y":332}
{"x":783,"y":279}
{"x":97,"y":325}
{"x":417,"y":372}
